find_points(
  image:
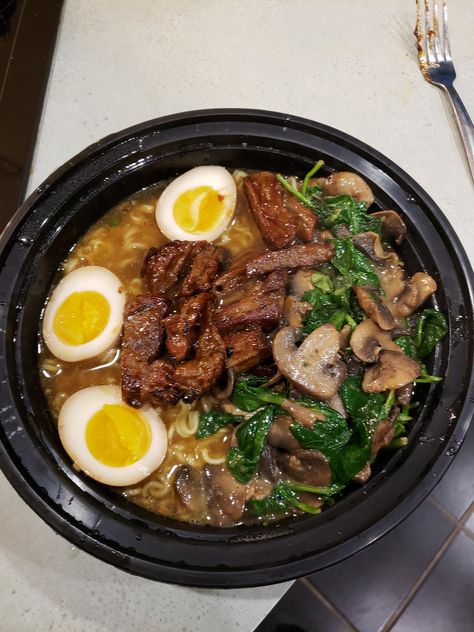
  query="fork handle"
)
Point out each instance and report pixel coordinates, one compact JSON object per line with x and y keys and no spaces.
{"x":466,"y":128}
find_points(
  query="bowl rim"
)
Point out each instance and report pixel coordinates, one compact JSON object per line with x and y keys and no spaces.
{"x":290,"y":569}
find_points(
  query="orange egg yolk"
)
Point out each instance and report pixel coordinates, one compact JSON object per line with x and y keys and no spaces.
{"x":117,"y":435}
{"x":81,"y":317}
{"x":199,"y":210}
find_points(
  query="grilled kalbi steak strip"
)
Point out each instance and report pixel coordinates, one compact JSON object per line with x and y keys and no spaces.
{"x":299,"y":256}
{"x":195,"y":377}
{"x":234,"y":275}
{"x":204,"y":269}
{"x":182,"y":328}
{"x":279,"y":216}
{"x":141,"y":343}
{"x":262,"y":306}
{"x":246,"y":349}
{"x":189,"y":380}
{"x":306,"y":221}
{"x":164,"y":266}
{"x":182,"y":268}
{"x":275,"y":221}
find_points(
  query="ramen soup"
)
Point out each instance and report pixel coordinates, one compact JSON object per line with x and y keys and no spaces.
{"x":236,"y":348}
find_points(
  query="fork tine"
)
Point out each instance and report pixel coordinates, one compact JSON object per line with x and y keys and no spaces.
{"x":436,"y":37}
{"x":429,"y":34}
{"x":420,"y":35}
{"x":447,"y":47}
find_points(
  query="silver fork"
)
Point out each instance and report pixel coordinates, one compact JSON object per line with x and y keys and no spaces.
{"x":436,"y":63}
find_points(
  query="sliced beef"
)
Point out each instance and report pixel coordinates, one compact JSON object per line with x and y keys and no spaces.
{"x":306,"y":221}
{"x":246,"y":348}
{"x":275,"y":221}
{"x":262,"y":306}
{"x":163,"y":266}
{"x":195,"y":377}
{"x":182,"y":327}
{"x":298,"y":256}
{"x":159,"y":383}
{"x":204,"y":268}
{"x":234,"y":275}
{"x":306,"y":466}
{"x":141,"y":343}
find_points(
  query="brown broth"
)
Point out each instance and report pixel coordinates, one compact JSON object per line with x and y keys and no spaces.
{"x":119,"y":242}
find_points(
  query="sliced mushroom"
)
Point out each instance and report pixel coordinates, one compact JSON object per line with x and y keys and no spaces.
{"x":348,"y":183}
{"x":417,"y":290}
{"x":226,"y":496}
{"x":364,"y":475}
{"x":392,"y":370}
{"x":300,"y":282}
{"x":404,"y":394}
{"x":387,"y":264}
{"x":306,"y":466}
{"x":314,"y":367}
{"x":393,"y":227}
{"x":344,"y":336}
{"x":302,"y":414}
{"x":280,"y":435}
{"x":294,"y":310}
{"x":383,"y":435}
{"x":337,"y":404}
{"x":368,"y":340}
{"x":369,"y":243}
{"x":373,"y":305}
{"x":189,"y":487}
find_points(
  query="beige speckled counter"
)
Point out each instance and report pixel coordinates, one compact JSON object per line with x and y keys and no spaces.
{"x":351,"y":65}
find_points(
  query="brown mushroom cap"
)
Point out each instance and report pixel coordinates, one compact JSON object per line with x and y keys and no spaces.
{"x":300,"y":282}
{"x":393,"y":227}
{"x":280,"y":435}
{"x":389,"y":270}
{"x":306,"y":466}
{"x":417,"y":290}
{"x":372,"y":304}
{"x":348,"y":183}
{"x":393,"y":370}
{"x":368,"y":340}
{"x":369,"y":243}
{"x":294,"y":310}
{"x":314,"y":367}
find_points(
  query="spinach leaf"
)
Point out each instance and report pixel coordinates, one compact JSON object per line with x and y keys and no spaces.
{"x":407,"y":345}
{"x":431,"y":328}
{"x":327,"y":308}
{"x":249,"y":394}
{"x":322,"y":282}
{"x":212,"y":421}
{"x":326,"y":436}
{"x":366,"y":410}
{"x":344,"y":209}
{"x":352,"y":264}
{"x":284,"y":496}
{"x":243,"y":461}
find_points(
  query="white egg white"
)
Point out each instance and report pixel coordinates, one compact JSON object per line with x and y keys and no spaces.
{"x":216,"y":177}
{"x":87,"y":278}
{"x":72,"y":422}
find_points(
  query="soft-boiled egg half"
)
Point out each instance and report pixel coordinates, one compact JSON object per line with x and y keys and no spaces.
{"x":84,"y":315}
{"x":108,"y":440}
{"x":199,"y":204}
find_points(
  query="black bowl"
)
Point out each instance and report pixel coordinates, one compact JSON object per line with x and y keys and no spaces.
{"x":100,"y":521}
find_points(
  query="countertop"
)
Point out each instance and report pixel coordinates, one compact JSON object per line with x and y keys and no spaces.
{"x":349,"y":65}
